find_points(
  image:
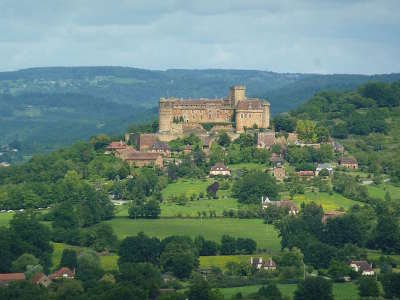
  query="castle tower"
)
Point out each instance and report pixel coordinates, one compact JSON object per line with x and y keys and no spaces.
{"x":237,"y":93}
{"x":165,"y":115}
{"x":265,"y":115}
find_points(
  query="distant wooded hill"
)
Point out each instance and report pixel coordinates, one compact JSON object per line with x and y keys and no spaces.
{"x":44,"y":108}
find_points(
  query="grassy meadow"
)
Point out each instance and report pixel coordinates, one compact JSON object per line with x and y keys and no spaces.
{"x":379,"y":191}
{"x":341,"y":291}
{"x":265,"y":235}
{"x":5,"y":218}
{"x":328,"y":202}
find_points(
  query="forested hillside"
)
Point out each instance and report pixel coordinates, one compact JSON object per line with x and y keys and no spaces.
{"x":366,"y":121}
{"x":42,"y":109}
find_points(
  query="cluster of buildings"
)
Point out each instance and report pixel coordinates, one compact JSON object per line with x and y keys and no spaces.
{"x":39,"y":278}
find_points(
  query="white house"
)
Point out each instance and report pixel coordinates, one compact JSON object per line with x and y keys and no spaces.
{"x":219,"y":169}
{"x":320,"y":167}
{"x":362,"y":266}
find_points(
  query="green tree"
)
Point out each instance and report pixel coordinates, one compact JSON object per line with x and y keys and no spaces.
{"x":228,"y":245}
{"x":88,"y":266}
{"x":68,"y":259}
{"x":254,"y":185}
{"x":314,"y":288}
{"x":270,"y":292}
{"x":368,"y":286}
{"x":391,"y":285}
{"x":224,"y":139}
{"x":139,"y":248}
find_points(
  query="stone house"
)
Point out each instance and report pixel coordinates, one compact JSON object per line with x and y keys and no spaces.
{"x":114,"y":146}
{"x":219,"y":169}
{"x":362,"y":266}
{"x":321,"y":167}
{"x":260,"y":264}
{"x":279,"y":173}
{"x":265,"y":139}
{"x":290,"y":205}
{"x":161,"y":147}
{"x":42,"y":279}
{"x":145,"y":141}
{"x":306,"y":174}
{"x":348,"y":162}
{"x":142,"y":159}
{"x":63,"y":273}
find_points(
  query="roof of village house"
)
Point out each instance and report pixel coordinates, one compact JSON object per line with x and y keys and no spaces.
{"x":37,"y":277}
{"x":270,"y":263}
{"x":12,"y":277}
{"x":62,"y":273}
{"x":142,"y":156}
{"x":348,"y":160}
{"x":286,"y":203}
{"x":324,"y":166}
{"x":250,"y":104}
{"x":362,"y":264}
{"x":117,"y":145}
{"x":188,"y":147}
{"x":306,"y":173}
{"x":146,"y":140}
{"x":266,"y":139}
{"x":275,"y":158}
{"x":157,"y":145}
{"x":219,"y":166}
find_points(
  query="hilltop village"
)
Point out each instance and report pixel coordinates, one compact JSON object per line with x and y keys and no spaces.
{"x":214,"y":200}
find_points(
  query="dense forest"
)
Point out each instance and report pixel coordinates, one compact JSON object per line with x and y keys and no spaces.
{"x":44,"y":108}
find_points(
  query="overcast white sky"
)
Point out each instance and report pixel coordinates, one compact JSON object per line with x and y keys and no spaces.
{"x":342,"y":36}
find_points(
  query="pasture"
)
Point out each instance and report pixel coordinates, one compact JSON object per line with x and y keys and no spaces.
{"x":341,"y":291}
{"x":265,"y":235}
{"x":328,"y":202}
{"x":379,"y":191}
{"x":5,"y":218}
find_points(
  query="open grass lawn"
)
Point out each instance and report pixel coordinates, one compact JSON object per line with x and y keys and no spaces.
{"x":248,"y":166}
{"x":108,"y":263}
{"x":341,"y":291}
{"x":221,"y":260}
{"x":5,"y":218}
{"x":187,"y":187}
{"x":379,"y":191}
{"x":265,"y":235}
{"x":328,"y":202}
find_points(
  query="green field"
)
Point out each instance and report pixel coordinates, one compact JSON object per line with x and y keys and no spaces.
{"x":379,"y":191}
{"x":248,"y":166}
{"x":213,"y":229}
{"x":328,"y":202}
{"x":187,"y":187}
{"x":5,"y":218}
{"x":341,"y":291}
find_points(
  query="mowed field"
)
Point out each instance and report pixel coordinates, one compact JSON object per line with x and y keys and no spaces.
{"x":379,"y":191}
{"x":5,"y":218}
{"x":328,"y":202}
{"x":341,"y":291}
{"x":213,"y":229}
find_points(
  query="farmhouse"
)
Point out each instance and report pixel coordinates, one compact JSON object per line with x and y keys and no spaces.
{"x":63,"y":273}
{"x":363,"y":267}
{"x":142,"y":159}
{"x":348,"y":162}
{"x":265,"y":139}
{"x":219,"y":169}
{"x":261,"y":264}
{"x":279,"y":173}
{"x":41,"y":279}
{"x":325,"y":166}
{"x":290,"y":205}
{"x":306,"y":174}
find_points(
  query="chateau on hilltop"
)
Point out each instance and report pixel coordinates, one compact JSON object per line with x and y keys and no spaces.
{"x":236,"y":112}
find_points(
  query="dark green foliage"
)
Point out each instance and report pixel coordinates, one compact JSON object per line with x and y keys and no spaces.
{"x":212,"y":189}
{"x":88,"y":266}
{"x":368,"y":286}
{"x":143,"y":275}
{"x":69,"y":259}
{"x":228,"y":245}
{"x":23,"y":290}
{"x":201,"y":290}
{"x":284,"y":123}
{"x":251,"y":187}
{"x":269,"y":292}
{"x":346,"y":229}
{"x":205,"y":247}
{"x":314,"y":288}
{"x":224,"y":139}
{"x":246,"y":245}
{"x":180,"y":257}
{"x":140,"y":248}
{"x":391,"y":285}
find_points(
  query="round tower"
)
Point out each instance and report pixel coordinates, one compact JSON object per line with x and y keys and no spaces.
{"x":165,"y":115}
{"x":265,"y":115}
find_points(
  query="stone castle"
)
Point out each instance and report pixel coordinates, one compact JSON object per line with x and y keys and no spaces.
{"x":236,"y":112}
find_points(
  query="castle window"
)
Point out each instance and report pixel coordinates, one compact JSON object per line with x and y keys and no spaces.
{"x":241,"y":116}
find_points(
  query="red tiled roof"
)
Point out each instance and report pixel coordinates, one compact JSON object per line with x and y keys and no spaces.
{"x":348,"y":160}
{"x":362,"y":264}
{"x":116,"y":145}
{"x":64,"y":272}
{"x":306,"y":173}
{"x":250,"y":104}
{"x":142,"y":156}
{"x":219,"y":167}
{"x":12,"y":277}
